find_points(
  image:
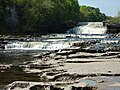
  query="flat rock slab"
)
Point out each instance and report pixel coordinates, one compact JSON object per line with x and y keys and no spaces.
{"x":109,"y":68}
{"x":77,"y":60}
{"x":24,"y":85}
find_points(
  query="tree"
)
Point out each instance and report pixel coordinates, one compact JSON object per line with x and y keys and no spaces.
{"x":33,"y":16}
{"x":91,"y":14}
{"x":119,"y":14}
{"x":115,"y":20}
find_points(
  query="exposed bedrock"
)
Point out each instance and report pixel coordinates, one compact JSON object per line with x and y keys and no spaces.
{"x":113,"y":28}
{"x":65,"y":68}
{"x":45,"y":87}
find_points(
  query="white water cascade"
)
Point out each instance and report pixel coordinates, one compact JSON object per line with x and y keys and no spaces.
{"x":24,"y":45}
{"x":89,"y":28}
{"x":37,"y":46}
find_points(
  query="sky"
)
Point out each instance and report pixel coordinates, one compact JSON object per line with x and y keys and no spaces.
{"x":109,"y":7}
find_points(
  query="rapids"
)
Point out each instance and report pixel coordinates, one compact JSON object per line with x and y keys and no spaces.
{"x":89,"y":28}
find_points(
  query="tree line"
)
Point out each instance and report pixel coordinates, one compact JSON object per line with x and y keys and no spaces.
{"x":114,"y":20}
{"x":44,"y":16}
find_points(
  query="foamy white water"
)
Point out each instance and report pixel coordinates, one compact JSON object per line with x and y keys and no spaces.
{"x":24,"y":45}
{"x":37,"y":46}
{"x":89,"y":28}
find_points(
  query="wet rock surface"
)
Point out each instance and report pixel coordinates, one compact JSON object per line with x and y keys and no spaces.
{"x":118,"y":35}
{"x":64,"y":72}
{"x":4,"y":67}
{"x":64,"y":69}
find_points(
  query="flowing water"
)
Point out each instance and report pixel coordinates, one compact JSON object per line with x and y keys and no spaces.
{"x":89,"y":28}
{"x":17,"y":52}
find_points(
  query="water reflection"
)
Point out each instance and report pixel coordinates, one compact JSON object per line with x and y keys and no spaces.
{"x":16,"y":57}
{"x":15,"y":73}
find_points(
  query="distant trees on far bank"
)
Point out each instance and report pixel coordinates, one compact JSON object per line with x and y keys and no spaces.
{"x":91,"y":14}
{"x":113,"y":24}
{"x":114,"y":20}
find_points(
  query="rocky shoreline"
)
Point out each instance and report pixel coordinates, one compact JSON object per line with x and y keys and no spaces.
{"x":64,"y":70}
{"x":84,"y":66}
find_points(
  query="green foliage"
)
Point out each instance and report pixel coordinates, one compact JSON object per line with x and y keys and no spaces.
{"x":64,"y":11}
{"x":32,"y":14}
{"x":2,"y":19}
{"x":44,"y":16}
{"x":115,"y":20}
{"x":91,"y":14}
{"x":38,"y":15}
{"x":109,"y":18}
{"x":119,"y":14}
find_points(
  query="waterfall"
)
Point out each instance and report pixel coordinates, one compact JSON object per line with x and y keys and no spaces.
{"x":24,"y":45}
{"x":37,"y":45}
{"x":88,"y":28}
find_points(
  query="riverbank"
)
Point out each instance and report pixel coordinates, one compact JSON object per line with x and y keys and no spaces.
{"x":88,"y":59}
{"x":65,"y":71}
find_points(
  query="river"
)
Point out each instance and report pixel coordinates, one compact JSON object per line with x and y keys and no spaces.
{"x":17,"y":52}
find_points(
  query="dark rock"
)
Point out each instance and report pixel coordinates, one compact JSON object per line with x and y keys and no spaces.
{"x":21,"y":85}
{"x":113,"y":28}
{"x":44,"y":87}
{"x":39,"y":87}
{"x":42,"y":66}
{"x":84,"y":88}
{"x":2,"y":44}
{"x":66,"y":77}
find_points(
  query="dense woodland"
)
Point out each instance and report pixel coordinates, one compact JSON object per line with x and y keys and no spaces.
{"x":44,"y":16}
{"x":91,"y":14}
